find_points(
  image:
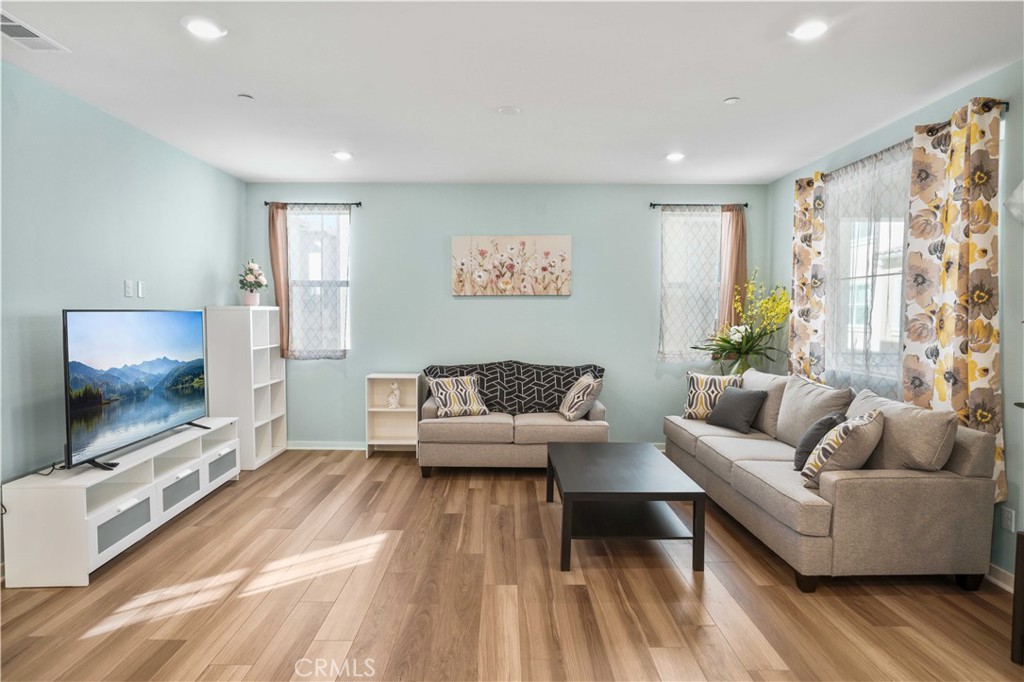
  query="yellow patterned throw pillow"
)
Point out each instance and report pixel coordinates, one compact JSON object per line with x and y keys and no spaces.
{"x":703,"y":392}
{"x":844,"y":448}
{"x":458,"y":396}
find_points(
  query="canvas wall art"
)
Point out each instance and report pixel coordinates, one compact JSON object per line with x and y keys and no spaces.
{"x":512,"y":266}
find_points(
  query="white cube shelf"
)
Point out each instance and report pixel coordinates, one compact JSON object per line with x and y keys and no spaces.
{"x":391,"y":428}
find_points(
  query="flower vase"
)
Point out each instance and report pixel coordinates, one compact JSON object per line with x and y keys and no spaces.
{"x":251,"y":298}
{"x":741,"y":365}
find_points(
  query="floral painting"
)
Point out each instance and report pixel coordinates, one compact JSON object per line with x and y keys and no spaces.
{"x":512,"y":266}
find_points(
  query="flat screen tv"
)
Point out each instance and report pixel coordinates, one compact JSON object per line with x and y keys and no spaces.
{"x":128,"y":376}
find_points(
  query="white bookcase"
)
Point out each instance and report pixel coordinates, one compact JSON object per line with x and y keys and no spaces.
{"x":245,"y":376}
{"x":61,"y":527}
{"x":391,"y":428}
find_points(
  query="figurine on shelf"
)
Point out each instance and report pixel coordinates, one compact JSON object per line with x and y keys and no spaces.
{"x":395,"y":396}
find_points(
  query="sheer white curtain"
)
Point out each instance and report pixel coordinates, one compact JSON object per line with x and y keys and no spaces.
{"x":318,"y":259}
{"x":867,"y":205}
{"x":691,"y":257}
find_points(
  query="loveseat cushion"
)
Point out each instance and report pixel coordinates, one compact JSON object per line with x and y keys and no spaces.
{"x":686,"y":432}
{"x":912,"y":438}
{"x":719,"y":453}
{"x":515,"y":387}
{"x":495,"y":427}
{"x":805,"y":402}
{"x":780,"y":491}
{"x":551,"y":427}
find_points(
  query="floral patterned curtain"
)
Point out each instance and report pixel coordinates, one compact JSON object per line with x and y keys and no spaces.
{"x":951,"y":286}
{"x":807,"y":321}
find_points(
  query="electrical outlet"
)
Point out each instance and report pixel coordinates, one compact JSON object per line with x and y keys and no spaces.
{"x":129,"y":288}
{"x":141,"y":295}
{"x":1007,"y":519}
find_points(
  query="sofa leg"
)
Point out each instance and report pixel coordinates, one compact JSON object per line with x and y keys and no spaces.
{"x":806,"y":583}
{"x":425,"y":472}
{"x":970,"y":581}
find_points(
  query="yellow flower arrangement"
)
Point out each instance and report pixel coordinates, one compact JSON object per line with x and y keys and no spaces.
{"x":762,"y":311}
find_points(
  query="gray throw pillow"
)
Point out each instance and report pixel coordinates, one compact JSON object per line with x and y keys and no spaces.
{"x":767,"y":420}
{"x":813,"y":436}
{"x":805,"y":402}
{"x":914,"y":438}
{"x":737,"y":409}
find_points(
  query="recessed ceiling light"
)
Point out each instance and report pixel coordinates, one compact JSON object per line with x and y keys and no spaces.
{"x":809,"y":30}
{"x":201,"y":27}
{"x":731,"y":100}
{"x":509,"y":110}
{"x":342,"y":156}
{"x":675,"y":157}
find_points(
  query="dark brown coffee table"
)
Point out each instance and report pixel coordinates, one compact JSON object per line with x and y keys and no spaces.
{"x":621,"y":490}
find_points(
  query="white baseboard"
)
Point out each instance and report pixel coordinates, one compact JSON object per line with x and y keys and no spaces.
{"x":326,"y":445}
{"x":1000,"y":578}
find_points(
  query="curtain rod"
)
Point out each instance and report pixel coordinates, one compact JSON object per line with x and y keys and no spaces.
{"x":654,"y":205}
{"x":357,"y":204}
{"x":1003,"y":103}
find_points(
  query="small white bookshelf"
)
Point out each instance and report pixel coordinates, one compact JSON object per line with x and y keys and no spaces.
{"x":392,"y":428}
{"x":246,"y":377}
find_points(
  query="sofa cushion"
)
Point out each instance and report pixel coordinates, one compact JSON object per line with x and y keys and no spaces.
{"x":686,"y":432}
{"x":774,"y":385}
{"x":703,"y":392}
{"x":719,"y":453}
{"x":846,"y":447}
{"x":805,"y":402}
{"x":458,"y":396}
{"x":516,"y":387}
{"x":813,"y":436}
{"x":913,"y":437}
{"x":580,"y":398}
{"x":777,"y":489}
{"x":737,"y":409}
{"x":495,"y":427}
{"x":551,"y":427}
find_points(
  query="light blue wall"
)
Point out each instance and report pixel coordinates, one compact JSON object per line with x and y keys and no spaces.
{"x":89,"y":201}
{"x":404,"y":316}
{"x":1007,"y":84}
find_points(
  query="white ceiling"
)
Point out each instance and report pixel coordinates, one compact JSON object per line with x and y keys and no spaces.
{"x":606,"y":89}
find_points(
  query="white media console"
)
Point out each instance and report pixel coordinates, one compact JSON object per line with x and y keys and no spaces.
{"x":61,"y":527}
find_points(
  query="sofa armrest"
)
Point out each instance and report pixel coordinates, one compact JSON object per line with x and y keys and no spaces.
{"x":901,"y":522}
{"x":597,"y":412}
{"x":429,"y":409}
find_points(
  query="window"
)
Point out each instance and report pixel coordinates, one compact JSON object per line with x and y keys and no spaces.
{"x":691,"y":256}
{"x":318,"y":260}
{"x":866,"y":209}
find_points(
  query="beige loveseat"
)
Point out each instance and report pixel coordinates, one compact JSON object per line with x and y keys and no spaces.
{"x":511,"y":435}
{"x":878,"y":520}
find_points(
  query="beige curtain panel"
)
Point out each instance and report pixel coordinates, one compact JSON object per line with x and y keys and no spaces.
{"x":734,"y":264}
{"x":951,"y":358}
{"x":278,"y":221}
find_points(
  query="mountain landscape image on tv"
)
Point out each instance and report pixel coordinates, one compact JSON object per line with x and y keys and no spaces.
{"x":130,"y":375}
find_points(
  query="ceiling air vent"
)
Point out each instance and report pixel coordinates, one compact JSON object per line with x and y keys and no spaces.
{"x":27,"y":37}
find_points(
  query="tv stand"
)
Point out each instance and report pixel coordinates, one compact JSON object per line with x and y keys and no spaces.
{"x":198,"y":425}
{"x":60,"y":528}
{"x":106,"y":466}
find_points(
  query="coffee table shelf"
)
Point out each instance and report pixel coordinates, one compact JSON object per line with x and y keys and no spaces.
{"x":652,"y":520}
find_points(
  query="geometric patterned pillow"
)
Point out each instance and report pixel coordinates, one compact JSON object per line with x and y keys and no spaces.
{"x":846,"y":447}
{"x":581,"y":397}
{"x":703,"y":392}
{"x":457,"y":397}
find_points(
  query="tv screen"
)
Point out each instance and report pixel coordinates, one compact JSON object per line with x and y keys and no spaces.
{"x":129,"y":375}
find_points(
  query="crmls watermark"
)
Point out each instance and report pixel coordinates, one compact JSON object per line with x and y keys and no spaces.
{"x":329,"y":668}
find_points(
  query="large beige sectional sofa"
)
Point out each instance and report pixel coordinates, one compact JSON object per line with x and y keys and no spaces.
{"x":514,"y":434}
{"x":884,"y":519}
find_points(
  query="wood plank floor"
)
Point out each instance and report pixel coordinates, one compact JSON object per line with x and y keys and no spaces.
{"x":324,"y":557}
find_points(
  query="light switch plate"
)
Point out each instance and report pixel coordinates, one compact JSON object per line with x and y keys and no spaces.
{"x":140,"y":294}
{"x":129,"y":288}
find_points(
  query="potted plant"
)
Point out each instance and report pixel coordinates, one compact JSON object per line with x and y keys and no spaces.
{"x":250,"y":281}
{"x":763,"y":312}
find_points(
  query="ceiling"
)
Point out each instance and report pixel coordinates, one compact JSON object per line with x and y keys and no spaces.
{"x":606,"y":89}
